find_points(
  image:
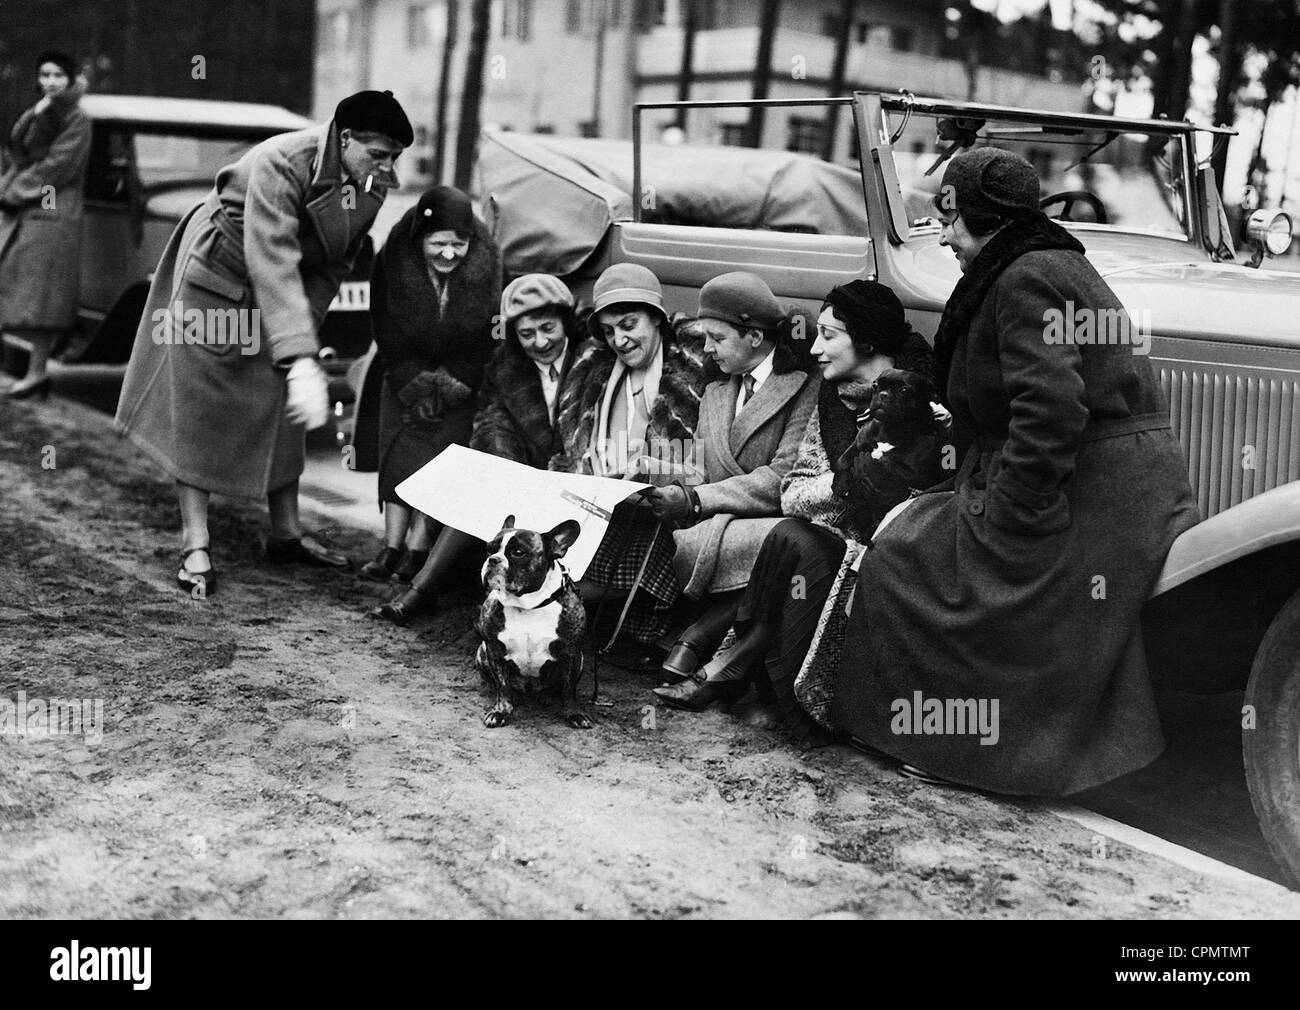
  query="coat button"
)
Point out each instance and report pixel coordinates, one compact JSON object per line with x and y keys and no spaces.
{"x":976,"y":508}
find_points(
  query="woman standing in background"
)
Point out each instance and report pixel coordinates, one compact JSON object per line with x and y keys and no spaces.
{"x":42,"y":175}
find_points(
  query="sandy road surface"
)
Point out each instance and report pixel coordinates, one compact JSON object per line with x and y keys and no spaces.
{"x":271,"y":753}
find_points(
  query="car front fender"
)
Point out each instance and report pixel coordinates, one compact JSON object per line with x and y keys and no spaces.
{"x":1261,"y":522}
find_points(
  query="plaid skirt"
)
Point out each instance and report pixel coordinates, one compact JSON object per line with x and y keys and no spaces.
{"x":632,"y":532}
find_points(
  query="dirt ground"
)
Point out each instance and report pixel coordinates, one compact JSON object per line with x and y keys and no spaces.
{"x":271,"y":753}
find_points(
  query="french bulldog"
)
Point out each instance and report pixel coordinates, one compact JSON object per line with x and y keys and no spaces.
{"x":532,"y":622}
{"x":897,"y":449}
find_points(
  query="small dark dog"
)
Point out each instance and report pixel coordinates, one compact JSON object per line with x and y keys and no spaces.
{"x":531,"y":623}
{"x":896,"y":452}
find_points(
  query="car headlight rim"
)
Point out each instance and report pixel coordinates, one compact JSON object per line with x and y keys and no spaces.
{"x":1272,"y":230}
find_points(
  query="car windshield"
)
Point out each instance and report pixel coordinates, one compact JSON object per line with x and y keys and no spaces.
{"x":166,"y":159}
{"x":1118,"y":180}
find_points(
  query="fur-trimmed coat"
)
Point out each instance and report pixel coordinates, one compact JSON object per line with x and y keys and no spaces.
{"x":433,"y":361}
{"x":674,"y":413}
{"x":512,"y":421}
{"x":42,"y":174}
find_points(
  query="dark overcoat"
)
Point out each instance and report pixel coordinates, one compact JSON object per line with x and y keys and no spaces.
{"x":1022,"y":588}
{"x":278,"y":234}
{"x":42,"y":176}
{"x":429,"y":353}
{"x":512,"y":421}
{"x":744,"y":458}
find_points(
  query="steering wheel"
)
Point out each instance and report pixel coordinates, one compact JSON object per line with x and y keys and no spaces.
{"x":1070,"y":197}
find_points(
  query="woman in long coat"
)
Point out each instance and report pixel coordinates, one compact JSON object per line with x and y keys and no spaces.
{"x":268,"y":249}
{"x":517,"y":401}
{"x":434,"y":291}
{"x":994,"y":637}
{"x":42,"y":175}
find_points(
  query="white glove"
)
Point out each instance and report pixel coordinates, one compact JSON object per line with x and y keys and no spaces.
{"x":308,"y":401}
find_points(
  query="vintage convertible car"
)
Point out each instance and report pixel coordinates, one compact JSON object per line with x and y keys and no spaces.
{"x":1221,"y":332}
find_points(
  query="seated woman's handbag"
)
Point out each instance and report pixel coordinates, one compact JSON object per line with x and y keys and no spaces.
{"x":814,"y":687}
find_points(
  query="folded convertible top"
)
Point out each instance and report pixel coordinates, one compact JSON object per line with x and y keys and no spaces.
{"x":551,"y":200}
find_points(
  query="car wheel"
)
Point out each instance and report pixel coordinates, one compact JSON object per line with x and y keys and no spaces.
{"x":1271,"y":748}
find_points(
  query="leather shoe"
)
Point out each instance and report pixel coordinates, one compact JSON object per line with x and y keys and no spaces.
{"x":682,"y":662}
{"x":695,"y":697}
{"x":306,"y":550}
{"x":402,"y":607}
{"x":382,"y":567}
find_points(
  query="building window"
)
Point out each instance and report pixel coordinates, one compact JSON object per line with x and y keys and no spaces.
{"x":545,"y":128}
{"x":805,"y":134}
{"x":572,"y":17}
{"x":587,"y":128}
{"x":651,"y":14}
{"x":830,"y":25}
{"x":516,"y":19}
{"x":423,"y":22}
{"x":338,"y":30}
{"x":903,"y":39}
{"x":733,"y":134}
{"x":421,"y":136}
{"x":862,"y":31}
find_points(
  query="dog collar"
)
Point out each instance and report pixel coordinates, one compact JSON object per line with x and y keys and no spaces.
{"x":557,"y":574}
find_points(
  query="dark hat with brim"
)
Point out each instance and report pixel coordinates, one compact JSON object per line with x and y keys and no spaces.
{"x":375,"y":112}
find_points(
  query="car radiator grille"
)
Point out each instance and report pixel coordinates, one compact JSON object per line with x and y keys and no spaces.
{"x":1241,"y":433}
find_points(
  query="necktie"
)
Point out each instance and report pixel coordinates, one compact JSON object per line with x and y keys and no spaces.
{"x":553,"y":374}
{"x":748,"y":382}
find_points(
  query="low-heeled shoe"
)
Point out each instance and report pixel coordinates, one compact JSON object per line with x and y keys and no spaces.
{"x":304,"y":550}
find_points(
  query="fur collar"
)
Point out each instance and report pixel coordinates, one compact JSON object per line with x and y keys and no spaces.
{"x":1032,"y":232}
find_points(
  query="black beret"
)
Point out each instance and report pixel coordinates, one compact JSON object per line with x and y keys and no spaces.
{"x":872,"y":313}
{"x":443,"y":208}
{"x":65,"y":62}
{"x":375,"y":112}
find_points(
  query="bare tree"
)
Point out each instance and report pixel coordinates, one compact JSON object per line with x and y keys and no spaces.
{"x":762,"y":70}
{"x":471,"y":98}
{"x":444,"y":87}
{"x":847,"y":9}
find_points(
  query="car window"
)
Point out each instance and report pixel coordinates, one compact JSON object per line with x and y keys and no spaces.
{"x":1137,"y":180}
{"x":168,"y":159}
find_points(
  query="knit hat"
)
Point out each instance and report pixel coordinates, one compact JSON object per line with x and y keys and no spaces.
{"x":625,"y":283}
{"x":64,"y":62}
{"x":872,"y":313}
{"x":374,"y":112}
{"x":989,"y":181}
{"x":742,"y":299}
{"x":532,"y":292}
{"x":442,"y":208}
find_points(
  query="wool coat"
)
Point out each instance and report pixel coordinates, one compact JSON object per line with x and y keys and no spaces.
{"x":512,"y":421}
{"x":1022,"y":587}
{"x":278,"y":234}
{"x":744,"y":458}
{"x":42,"y":176}
{"x":429,"y":354}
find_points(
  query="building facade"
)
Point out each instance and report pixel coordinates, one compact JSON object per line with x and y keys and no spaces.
{"x":576,"y":67}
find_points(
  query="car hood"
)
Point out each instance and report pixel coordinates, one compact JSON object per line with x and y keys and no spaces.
{"x":1181,"y":294}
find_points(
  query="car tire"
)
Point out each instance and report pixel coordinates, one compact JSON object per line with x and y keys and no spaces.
{"x":1271,"y":747}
